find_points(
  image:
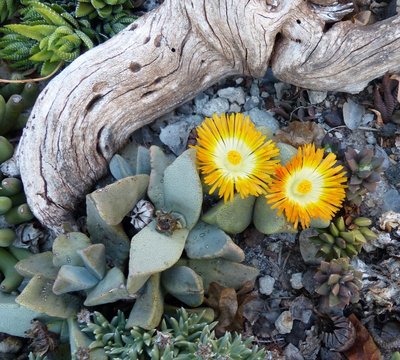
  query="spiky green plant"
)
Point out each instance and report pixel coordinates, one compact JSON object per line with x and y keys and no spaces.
{"x":339,"y":283}
{"x":364,"y":169}
{"x":338,"y":241}
{"x":184,"y":337}
{"x":113,"y":25}
{"x":7,"y":9}
{"x":101,"y":8}
{"x":46,"y":37}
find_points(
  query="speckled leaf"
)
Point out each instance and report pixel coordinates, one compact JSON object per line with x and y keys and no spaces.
{"x":286,"y":152}
{"x":38,"y":296}
{"x":232,"y":217}
{"x":94,"y":259}
{"x":267,"y":221}
{"x":110,"y":289}
{"x":184,"y":284}
{"x":114,"y":201}
{"x":224,"y":272}
{"x":38,"y":264}
{"x":149,"y":306}
{"x":120,"y":168}
{"x":73,"y":278}
{"x":112,"y":236}
{"x":65,"y":248}
{"x":182,"y":188}
{"x":208,"y":241}
{"x":152,"y":252}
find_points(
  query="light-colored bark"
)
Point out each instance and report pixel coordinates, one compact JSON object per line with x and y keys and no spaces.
{"x":165,"y":58}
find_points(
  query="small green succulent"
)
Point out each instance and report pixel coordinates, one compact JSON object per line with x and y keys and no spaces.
{"x":46,"y":37}
{"x":339,"y":283}
{"x":7,"y":9}
{"x":365,"y":171}
{"x":338,"y":241}
{"x":184,"y":337}
{"x":101,"y":8}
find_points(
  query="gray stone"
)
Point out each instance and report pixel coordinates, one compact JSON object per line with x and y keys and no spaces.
{"x":266,"y":284}
{"x":235,"y":108}
{"x":316,"y":97}
{"x":296,"y":281}
{"x":215,"y":106}
{"x":280,"y":88}
{"x":251,"y":103}
{"x":175,"y":136}
{"x":199,"y":102}
{"x":391,"y":201}
{"x":254,"y":89}
{"x":292,"y":353}
{"x":186,"y":108}
{"x":352,"y":114}
{"x":308,"y":249}
{"x":379,"y":152}
{"x":264,"y":94}
{"x":233,"y":94}
{"x":284,"y":323}
{"x":263,"y":118}
{"x":238,"y":81}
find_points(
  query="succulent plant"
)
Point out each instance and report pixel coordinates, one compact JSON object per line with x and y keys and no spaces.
{"x":101,"y":8}
{"x":364,"y":169}
{"x":338,"y":241}
{"x":339,"y":283}
{"x":15,"y":100}
{"x":7,"y":9}
{"x":113,"y":25}
{"x":46,"y":37}
{"x":183,"y":336}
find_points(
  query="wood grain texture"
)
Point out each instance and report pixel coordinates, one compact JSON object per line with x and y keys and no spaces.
{"x":165,"y":58}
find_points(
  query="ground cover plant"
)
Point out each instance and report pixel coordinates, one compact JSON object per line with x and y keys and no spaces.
{"x":259,"y":220}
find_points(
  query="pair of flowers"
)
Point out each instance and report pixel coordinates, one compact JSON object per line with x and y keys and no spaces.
{"x":234,"y":156}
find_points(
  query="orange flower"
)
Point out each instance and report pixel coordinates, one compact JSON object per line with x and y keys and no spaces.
{"x":309,"y":186}
{"x":233,"y":155}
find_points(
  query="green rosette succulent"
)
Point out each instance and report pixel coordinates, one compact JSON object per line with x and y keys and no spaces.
{"x":339,"y":283}
{"x":113,"y":25}
{"x":365,"y":171}
{"x":338,"y":241}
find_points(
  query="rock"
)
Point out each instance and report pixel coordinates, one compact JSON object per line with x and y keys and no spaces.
{"x":332,"y":118}
{"x":296,"y":281}
{"x":391,"y":201}
{"x":352,"y":114}
{"x":302,"y":309}
{"x":280,"y":88}
{"x":199,"y":102}
{"x":266,"y":284}
{"x":308,"y":249}
{"x":292,"y":353}
{"x":215,"y":106}
{"x":263,"y":118}
{"x":254,"y":89}
{"x":316,"y":97}
{"x":284,"y":323}
{"x":235,"y":108}
{"x":175,"y":136}
{"x":238,"y":81}
{"x":233,"y":95}
{"x":251,"y":103}
{"x":379,"y":152}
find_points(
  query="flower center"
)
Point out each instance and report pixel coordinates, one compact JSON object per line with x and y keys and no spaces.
{"x":234,"y":157}
{"x":304,"y":187}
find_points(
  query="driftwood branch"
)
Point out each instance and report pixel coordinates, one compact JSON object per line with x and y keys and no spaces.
{"x":165,"y":58}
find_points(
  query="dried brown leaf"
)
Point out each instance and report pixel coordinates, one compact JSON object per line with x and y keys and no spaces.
{"x":397,"y":78}
{"x":364,"y":346}
{"x":379,"y":119}
{"x":299,"y":133}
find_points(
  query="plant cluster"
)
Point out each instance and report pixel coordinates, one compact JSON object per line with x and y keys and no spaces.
{"x":183,"y":336}
{"x":48,"y":35}
{"x":338,"y":241}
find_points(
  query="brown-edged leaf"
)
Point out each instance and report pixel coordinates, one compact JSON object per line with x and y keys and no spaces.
{"x":397,"y":78}
{"x":364,"y":346}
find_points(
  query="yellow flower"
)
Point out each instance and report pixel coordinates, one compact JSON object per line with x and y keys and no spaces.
{"x":233,"y":155}
{"x":308,"y":186}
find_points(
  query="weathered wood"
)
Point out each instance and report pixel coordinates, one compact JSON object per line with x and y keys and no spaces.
{"x":165,"y":58}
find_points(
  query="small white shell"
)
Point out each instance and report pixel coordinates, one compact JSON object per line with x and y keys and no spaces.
{"x":142,"y":214}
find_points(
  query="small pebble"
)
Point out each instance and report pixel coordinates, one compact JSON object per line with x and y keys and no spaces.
{"x":296,"y":281}
{"x":238,"y":81}
{"x":215,"y":106}
{"x":264,"y":94}
{"x":266,"y":284}
{"x":251,"y":103}
{"x":284,"y":323}
{"x":338,"y":135}
{"x":235,"y":108}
